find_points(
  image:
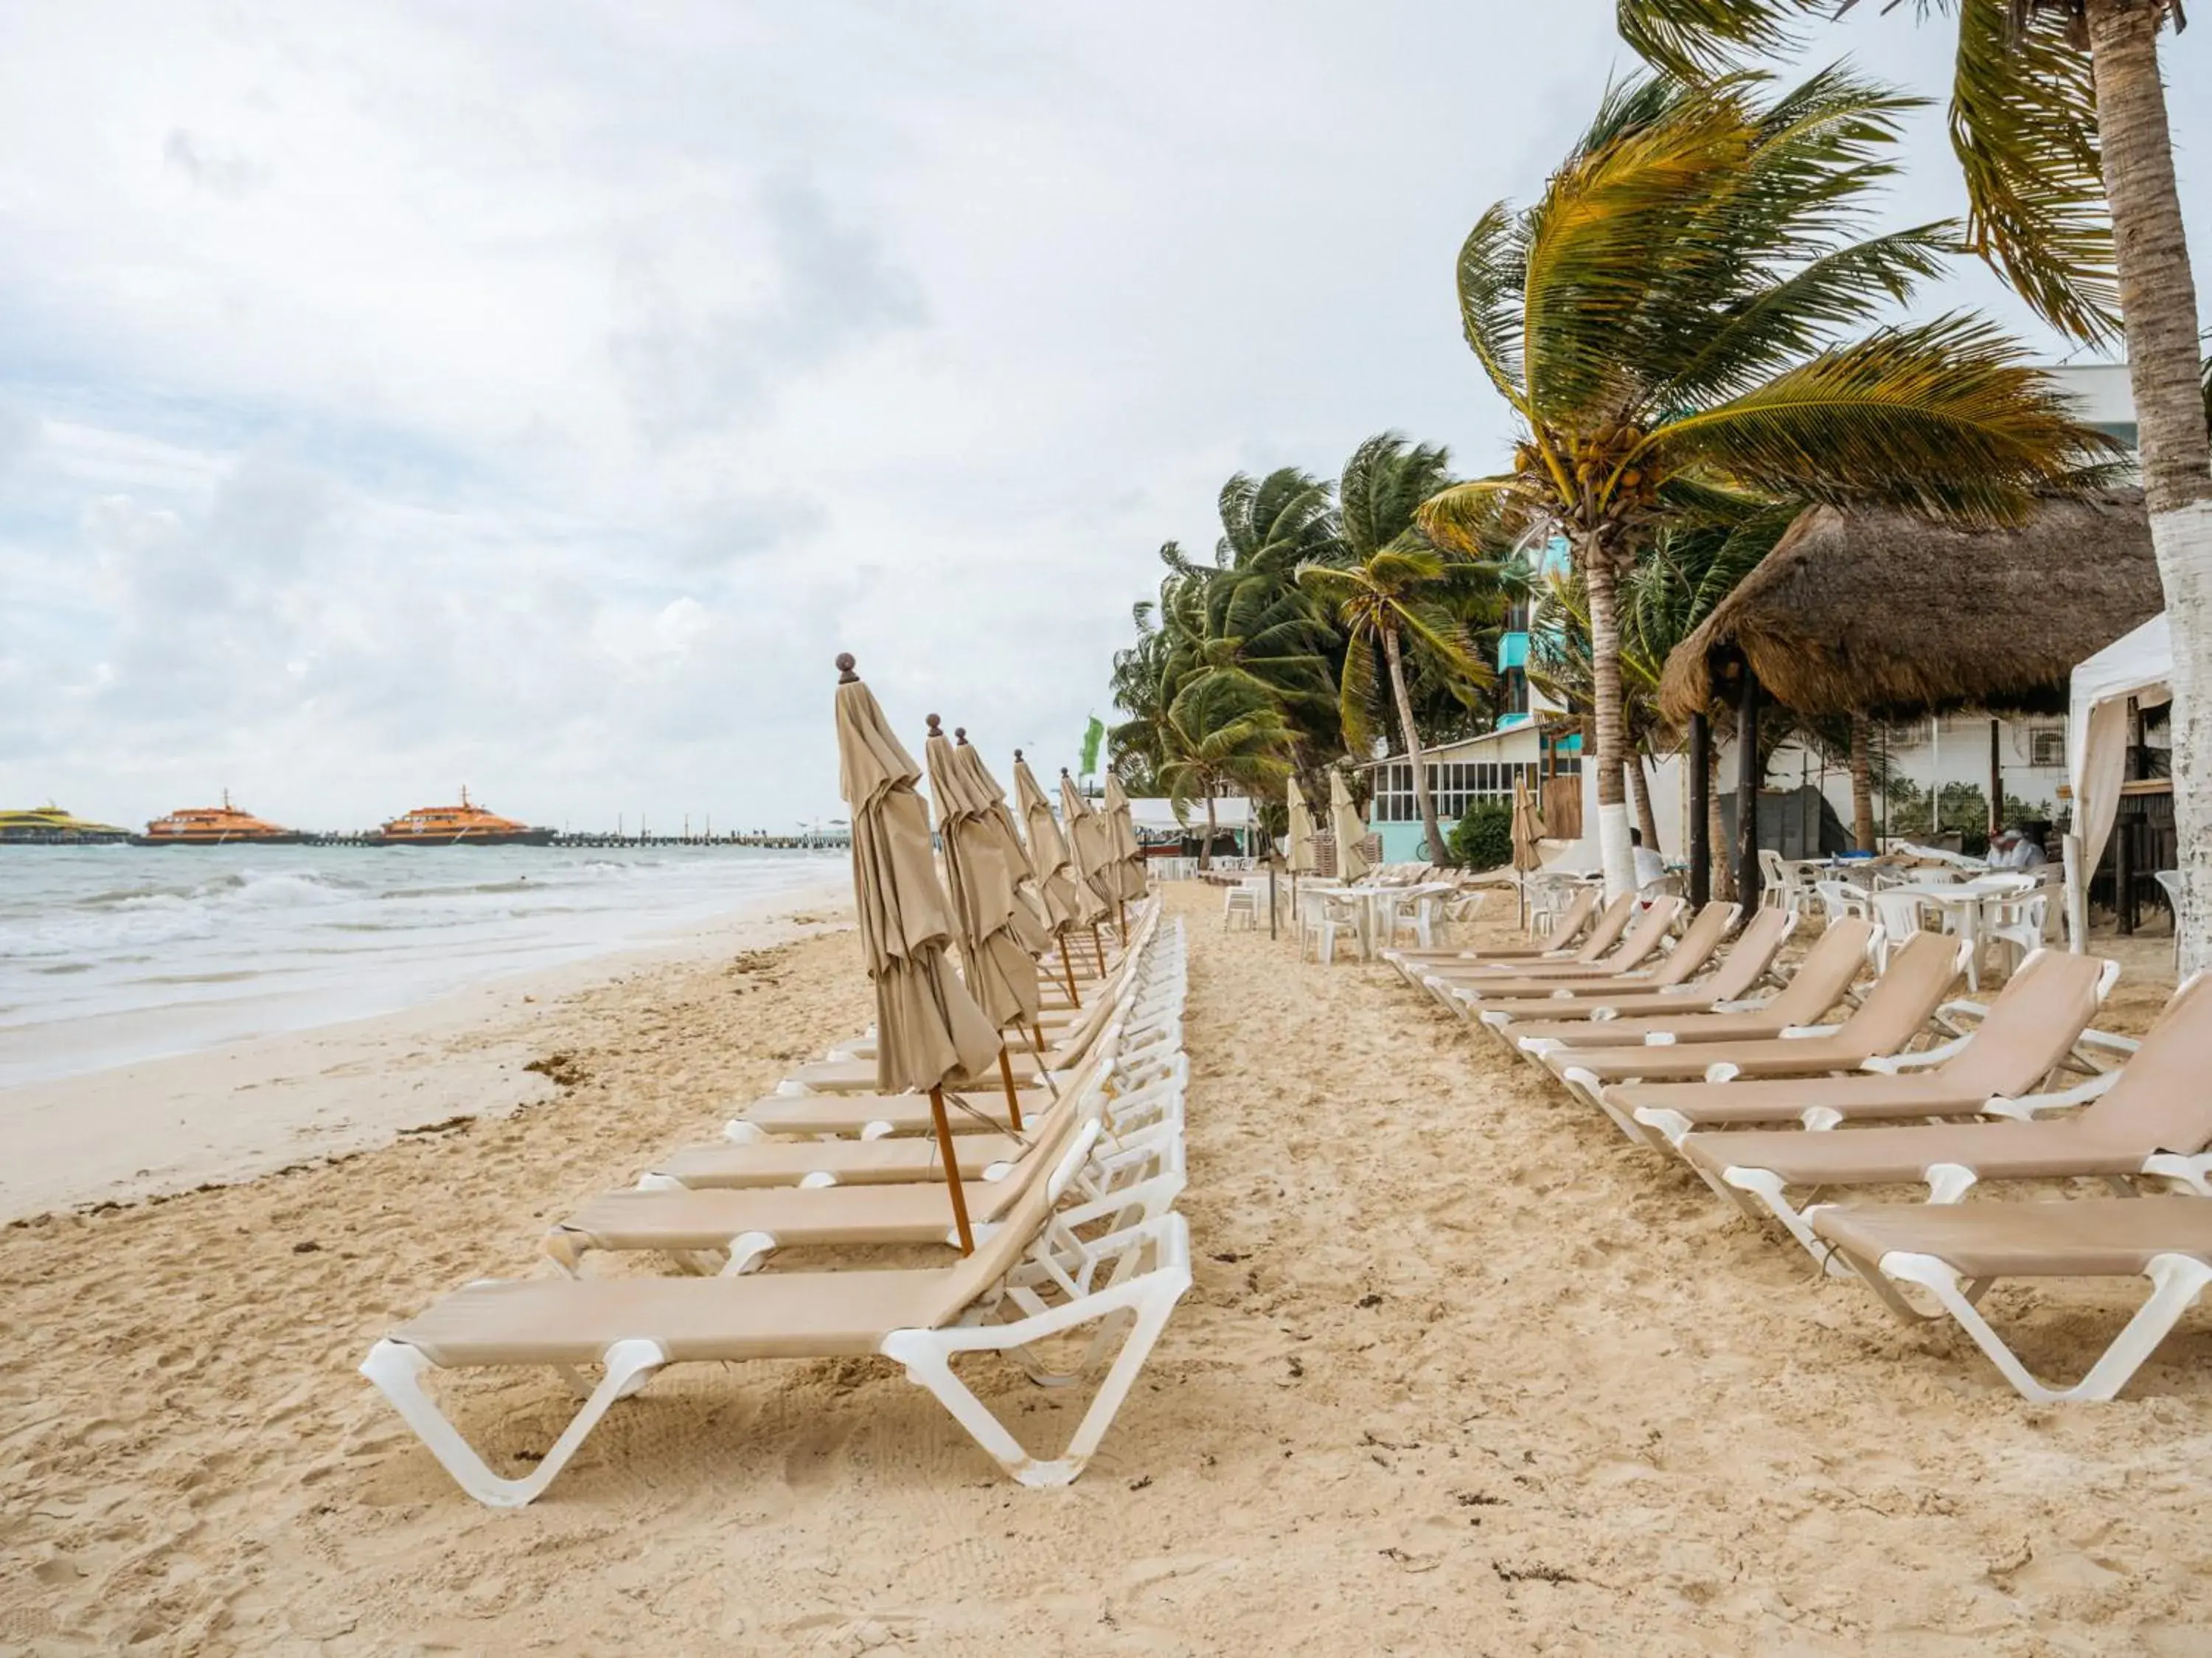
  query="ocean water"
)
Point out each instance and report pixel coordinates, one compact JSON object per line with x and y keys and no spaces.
{"x":110,"y":954}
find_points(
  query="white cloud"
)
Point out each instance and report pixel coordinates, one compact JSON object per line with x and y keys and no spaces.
{"x":398,"y":395}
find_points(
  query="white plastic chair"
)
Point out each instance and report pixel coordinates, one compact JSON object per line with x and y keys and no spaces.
{"x":2015,"y":918}
{"x":1324,"y":915}
{"x":1899,"y":914}
{"x":1840,"y":899}
{"x":1241,"y":900}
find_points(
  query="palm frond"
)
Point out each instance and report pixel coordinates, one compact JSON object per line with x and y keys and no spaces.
{"x":2024,"y":126}
{"x":1698,"y":39}
{"x":1946,"y":417}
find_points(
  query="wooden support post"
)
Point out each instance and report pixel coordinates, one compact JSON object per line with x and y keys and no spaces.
{"x":1006,"y":1077}
{"x":944,"y":1149}
{"x":1996,"y":779}
{"x":1701,"y":839}
{"x":1748,"y":779}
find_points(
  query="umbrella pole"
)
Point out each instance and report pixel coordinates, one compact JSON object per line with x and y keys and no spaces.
{"x":952,"y":1171}
{"x":1099,"y":948}
{"x":1067,"y":969}
{"x":1036,"y":1047}
{"x":1006,"y":1077}
{"x":1122,"y":920}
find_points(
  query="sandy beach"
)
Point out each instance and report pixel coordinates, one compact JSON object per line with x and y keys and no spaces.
{"x":1462,"y":1372}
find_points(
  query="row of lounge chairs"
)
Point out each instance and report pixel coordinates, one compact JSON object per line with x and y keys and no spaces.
{"x":1074,"y":1224}
{"x":1776,"y":1110}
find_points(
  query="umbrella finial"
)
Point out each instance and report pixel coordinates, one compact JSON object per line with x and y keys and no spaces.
{"x":1018,"y":755}
{"x":845,"y":675}
{"x":933,"y":720}
{"x":960,"y":735}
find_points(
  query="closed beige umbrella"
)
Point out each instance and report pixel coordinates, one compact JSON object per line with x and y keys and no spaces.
{"x":1000,"y":974}
{"x":1128,"y":853}
{"x":1050,"y":860}
{"x":1030,"y":923}
{"x":927,"y":1027}
{"x":1086,"y":839}
{"x":1302,"y":833}
{"x":1527,"y":830}
{"x":1344,"y":824}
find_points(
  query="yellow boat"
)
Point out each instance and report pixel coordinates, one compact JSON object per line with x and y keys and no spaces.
{"x":49,"y":825}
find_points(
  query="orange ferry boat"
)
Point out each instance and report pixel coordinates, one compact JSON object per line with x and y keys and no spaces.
{"x":454,"y":825}
{"x":215,"y":825}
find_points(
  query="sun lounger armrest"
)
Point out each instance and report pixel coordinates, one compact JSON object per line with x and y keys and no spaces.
{"x":1897,"y":1064}
{"x":1961,"y":1016}
{"x":1794,"y":1032}
{"x":1749,"y":1004}
{"x":2111,"y":1042}
{"x":2030,"y":1106}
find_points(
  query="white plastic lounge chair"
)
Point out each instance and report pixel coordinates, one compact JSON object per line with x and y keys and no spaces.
{"x":633,"y":1327}
{"x":1822,"y":980}
{"x":2151,"y":1119}
{"x":1954,"y":1254}
{"x":1896,"y":1010}
{"x":1738,"y":973}
{"x":2028,"y":1032}
{"x":1603,"y":932}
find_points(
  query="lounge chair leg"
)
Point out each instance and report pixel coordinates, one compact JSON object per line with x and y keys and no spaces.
{"x":1150,"y":1297}
{"x":2190,"y":1172}
{"x":1949,"y":1182}
{"x":2176,"y":1282}
{"x":746,"y":1251}
{"x":397,"y":1369}
{"x":1764,"y":1186}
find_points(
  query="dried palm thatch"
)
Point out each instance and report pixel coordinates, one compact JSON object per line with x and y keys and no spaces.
{"x":1882,"y":612}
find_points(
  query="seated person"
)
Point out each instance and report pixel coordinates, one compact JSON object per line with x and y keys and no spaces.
{"x":1649,"y":866}
{"x":2015,"y":850}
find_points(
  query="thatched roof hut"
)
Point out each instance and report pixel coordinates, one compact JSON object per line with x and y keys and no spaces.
{"x":1880,"y":612}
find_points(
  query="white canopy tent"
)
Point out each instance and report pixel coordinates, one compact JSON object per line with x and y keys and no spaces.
{"x":2138,"y":665}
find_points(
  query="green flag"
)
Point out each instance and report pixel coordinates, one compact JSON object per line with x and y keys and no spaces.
{"x":1093,"y":735}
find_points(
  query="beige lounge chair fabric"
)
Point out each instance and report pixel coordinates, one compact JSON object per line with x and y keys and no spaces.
{"x":1901,"y":1002}
{"x":1631,"y":966}
{"x":1821,"y":978}
{"x":2080,"y":1238}
{"x":850,"y":1162}
{"x":1736,"y":974}
{"x":2031,"y":1027}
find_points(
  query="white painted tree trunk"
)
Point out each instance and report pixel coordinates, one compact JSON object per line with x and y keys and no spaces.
{"x":2158,"y":302}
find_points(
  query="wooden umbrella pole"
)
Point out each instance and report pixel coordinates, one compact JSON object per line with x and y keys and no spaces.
{"x":1067,"y":967}
{"x":1006,"y":1077}
{"x":952,"y":1171}
{"x":1099,"y":948}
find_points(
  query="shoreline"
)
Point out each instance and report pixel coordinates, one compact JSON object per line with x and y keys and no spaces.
{"x":152,"y":1128}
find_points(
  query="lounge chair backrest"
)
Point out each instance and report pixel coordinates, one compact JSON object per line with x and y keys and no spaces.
{"x":1825,"y":972}
{"x":1574,"y":918}
{"x":1907,"y":993}
{"x":2162,"y":1098}
{"x":1605,"y":932}
{"x":1755,"y":949}
{"x":2034,"y":1021}
{"x":1647,"y":935}
{"x":1697,"y":946}
{"x":998,"y":1254}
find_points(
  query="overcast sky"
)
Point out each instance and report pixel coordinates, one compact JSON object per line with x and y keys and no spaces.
{"x":538,"y":395}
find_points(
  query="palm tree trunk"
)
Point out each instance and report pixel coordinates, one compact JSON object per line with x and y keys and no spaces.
{"x":1205,"y":851}
{"x":1420,"y":764}
{"x":1639,"y":789}
{"x":1861,"y":785}
{"x":2158,"y":302}
{"x":1599,"y":579}
{"x":1723,"y":875}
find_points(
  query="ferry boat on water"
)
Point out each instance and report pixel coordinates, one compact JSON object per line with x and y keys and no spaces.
{"x":215,"y":825}
{"x":467,"y":824}
{"x":49,"y":825}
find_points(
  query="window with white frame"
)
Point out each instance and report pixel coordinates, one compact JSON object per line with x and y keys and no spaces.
{"x":1454,"y":785}
{"x":2047,"y":745}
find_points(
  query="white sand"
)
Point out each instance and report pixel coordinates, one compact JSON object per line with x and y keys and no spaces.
{"x":1462,"y":1373}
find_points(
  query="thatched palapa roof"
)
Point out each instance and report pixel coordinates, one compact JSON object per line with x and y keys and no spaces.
{"x":1875,"y":612}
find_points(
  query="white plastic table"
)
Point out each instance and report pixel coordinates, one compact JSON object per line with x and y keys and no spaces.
{"x":1961,"y":904}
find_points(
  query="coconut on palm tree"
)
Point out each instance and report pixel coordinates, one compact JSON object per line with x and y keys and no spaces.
{"x":1669,"y":323}
{"x":2059,"y":121}
{"x":1399,"y":596}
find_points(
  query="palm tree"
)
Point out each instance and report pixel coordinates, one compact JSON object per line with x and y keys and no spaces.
{"x":1399,"y":596}
{"x":1663,"y":323}
{"x":1223,"y":731}
{"x":2058,"y":119}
